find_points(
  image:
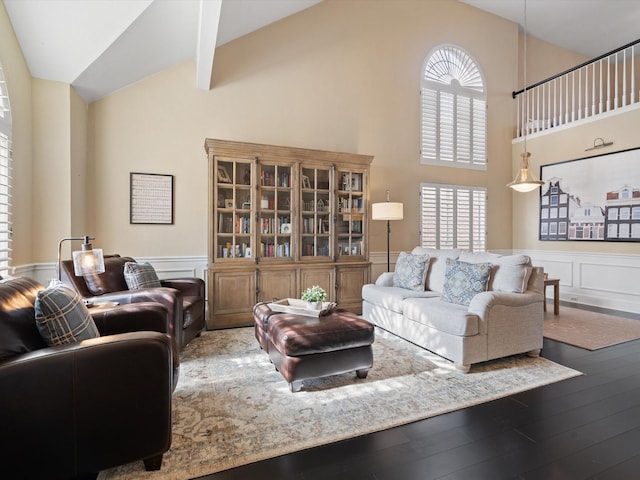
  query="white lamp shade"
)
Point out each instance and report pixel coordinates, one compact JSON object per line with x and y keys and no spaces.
{"x":88,"y":262}
{"x":386,"y":211}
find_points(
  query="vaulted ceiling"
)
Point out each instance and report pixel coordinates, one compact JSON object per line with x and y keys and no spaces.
{"x":100,"y":46}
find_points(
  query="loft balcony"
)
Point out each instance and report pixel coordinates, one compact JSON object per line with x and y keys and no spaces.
{"x":606,"y":85}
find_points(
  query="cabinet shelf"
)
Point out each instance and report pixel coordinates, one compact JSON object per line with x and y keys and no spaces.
{"x":278,"y":224}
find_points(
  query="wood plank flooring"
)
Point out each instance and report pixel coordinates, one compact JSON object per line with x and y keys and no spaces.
{"x":587,"y":427}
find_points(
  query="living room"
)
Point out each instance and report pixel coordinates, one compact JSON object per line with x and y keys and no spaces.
{"x":340,"y":75}
{"x":67,"y":189}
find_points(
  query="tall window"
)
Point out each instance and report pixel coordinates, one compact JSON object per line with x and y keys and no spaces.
{"x":453,"y":216}
{"x":453,"y":106}
{"x":5,"y":178}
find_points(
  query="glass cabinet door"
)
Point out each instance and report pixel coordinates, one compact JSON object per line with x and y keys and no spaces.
{"x":315,"y":206}
{"x":233,"y":198}
{"x":274,"y":210}
{"x":350,"y":212}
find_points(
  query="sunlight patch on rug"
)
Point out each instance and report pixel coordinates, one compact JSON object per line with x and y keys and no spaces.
{"x":231,"y":407}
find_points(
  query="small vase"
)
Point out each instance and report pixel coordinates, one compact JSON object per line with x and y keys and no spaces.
{"x":314,"y":305}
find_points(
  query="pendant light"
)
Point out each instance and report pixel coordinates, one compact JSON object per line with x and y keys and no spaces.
{"x":525,"y":180}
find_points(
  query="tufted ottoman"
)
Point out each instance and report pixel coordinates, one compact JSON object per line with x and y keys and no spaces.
{"x":302,"y":347}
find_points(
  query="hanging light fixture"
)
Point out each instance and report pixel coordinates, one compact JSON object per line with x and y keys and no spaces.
{"x":525,"y":180}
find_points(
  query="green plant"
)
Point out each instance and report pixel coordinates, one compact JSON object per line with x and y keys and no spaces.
{"x":314,"y":294}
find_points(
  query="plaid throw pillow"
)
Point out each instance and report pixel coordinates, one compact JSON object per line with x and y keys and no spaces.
{"x":140,"y":275}
{"x":62,"y":317}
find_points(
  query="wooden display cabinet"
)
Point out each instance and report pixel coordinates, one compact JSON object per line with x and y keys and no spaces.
{"x":280,"y":220}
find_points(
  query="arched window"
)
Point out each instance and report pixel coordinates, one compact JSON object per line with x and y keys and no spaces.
{"x":5,"y":177}
{"x":454,"y":117}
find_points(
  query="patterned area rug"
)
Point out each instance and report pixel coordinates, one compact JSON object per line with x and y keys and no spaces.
{"x":232,"y":408}
{"x":589,"y":330}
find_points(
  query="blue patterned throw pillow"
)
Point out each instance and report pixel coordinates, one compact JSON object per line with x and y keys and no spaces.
{"x":411,"y":271}
{"x":140,"y":275}
{"x":463,"y":281}
{"x":62,"y":317}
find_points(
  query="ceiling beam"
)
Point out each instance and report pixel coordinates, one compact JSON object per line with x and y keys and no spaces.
{"x":208,"y":23}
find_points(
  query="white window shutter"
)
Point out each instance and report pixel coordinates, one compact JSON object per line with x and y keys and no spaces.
{"x":453,"y":110}
{"x":5,"y":178}
{"x":453,"y":216}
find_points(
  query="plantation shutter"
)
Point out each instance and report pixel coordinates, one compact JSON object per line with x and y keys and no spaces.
{"x":453,"y":216}
{"x":5,"y":178}
{"x":453,"y":111}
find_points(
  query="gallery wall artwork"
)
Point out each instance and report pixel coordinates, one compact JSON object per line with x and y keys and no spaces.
{"x":594,"y":198}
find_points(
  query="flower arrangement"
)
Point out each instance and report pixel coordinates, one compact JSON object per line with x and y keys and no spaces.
{"x":314,"y":294}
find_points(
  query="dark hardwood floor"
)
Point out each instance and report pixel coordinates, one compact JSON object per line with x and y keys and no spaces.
{"x":587,"y":427}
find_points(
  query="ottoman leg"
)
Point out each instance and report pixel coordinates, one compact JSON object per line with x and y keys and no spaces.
{"x":295,"y":386}
{"x":362,"y":373}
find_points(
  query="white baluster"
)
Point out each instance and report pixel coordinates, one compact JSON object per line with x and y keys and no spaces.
{"x":601,"y":88}
{"x":608,"y":83}
{"x":624,"y":78}
{"x":615,"y":86}
{"x":633,"y":75}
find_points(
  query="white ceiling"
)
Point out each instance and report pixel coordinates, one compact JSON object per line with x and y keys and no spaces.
{"x":100,"y":46}
{"x":589,"y":27}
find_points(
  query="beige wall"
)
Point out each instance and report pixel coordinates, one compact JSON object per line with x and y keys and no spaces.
{"x":338,"y":76}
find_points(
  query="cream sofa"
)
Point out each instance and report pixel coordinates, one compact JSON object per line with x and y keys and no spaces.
{"x":504,"y":320}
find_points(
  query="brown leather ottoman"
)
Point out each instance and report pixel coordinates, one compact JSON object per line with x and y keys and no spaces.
{"x":302,"y":347}
{"x":261,"y":314}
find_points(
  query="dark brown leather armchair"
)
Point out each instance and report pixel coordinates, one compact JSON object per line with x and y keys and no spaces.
{"x":183,"y":297}
{"x":73,"y":410}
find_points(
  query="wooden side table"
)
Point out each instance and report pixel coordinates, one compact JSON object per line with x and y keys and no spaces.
{"x":556,"y":294}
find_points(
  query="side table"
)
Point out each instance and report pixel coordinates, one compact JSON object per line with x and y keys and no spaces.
{"x":556,"y":294}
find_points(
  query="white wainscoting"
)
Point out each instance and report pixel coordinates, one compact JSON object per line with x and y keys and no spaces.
{"x":598,"y":279}
{"x":165,"y":267}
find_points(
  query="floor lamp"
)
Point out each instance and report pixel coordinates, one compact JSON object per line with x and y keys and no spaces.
{"x":387,"y":211}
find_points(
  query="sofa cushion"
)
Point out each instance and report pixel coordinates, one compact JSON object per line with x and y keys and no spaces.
{"x":62,"y":317}
{"x":391,"y":298}
{"x":445,"y":317}
{"x":464,"y":280}
{"x":411,"y":271}
{"x":19,"y":332}
{"x":112,"y":280}
{"x":437,"y":266}
{"x":510,"y":273}
{"x":140,"y":275}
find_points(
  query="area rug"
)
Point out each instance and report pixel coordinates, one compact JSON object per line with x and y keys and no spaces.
{"x":232,"y":408}
{"x":589,"y":330}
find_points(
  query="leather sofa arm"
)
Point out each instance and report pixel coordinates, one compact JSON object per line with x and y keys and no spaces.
{"x":138,"y":317}
{"x":169,"y":297}
{"x":132,"y":317}
{"x":190,"y":287}
{"x":80,"y":408}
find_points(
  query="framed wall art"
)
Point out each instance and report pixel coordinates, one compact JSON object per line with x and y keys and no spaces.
{"x":592,"y":199}
{"x":151,"y":199}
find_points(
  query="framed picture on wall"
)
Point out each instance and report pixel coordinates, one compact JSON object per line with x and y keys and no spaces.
{"x":592,"y":199}
{"x":151,"y":198}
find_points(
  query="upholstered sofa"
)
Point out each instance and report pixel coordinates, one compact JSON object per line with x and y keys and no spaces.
{"x":183,"y":297}
{"x":466,"y":307}
{"x":71,"y":410}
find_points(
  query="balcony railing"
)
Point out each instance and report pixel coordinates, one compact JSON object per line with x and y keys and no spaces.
{"x":604,"y":84}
